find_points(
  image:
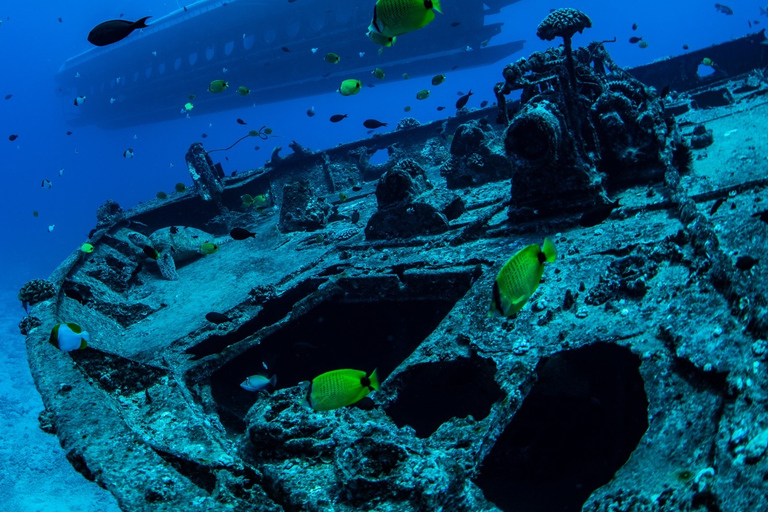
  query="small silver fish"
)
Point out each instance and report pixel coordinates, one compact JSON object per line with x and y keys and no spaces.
{"x":258,"y":382}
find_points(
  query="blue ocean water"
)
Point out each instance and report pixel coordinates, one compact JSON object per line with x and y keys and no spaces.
{"x":36,"y":44}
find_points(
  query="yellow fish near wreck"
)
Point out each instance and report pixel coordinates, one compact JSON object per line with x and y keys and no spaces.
{"x":519,"y":278}
{"x":339,"y":388}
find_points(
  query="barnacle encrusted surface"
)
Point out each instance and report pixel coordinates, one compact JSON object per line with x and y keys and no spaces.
{"x":37,"y":290}
{"x":563,"y":23}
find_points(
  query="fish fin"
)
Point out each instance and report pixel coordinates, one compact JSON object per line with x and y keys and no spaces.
{"x":141,"y":23}
{"x":273,"y":381}
{"x":374,"y":380}
{"x":74,"y":327}
{"x":428,"y":17}
{"x":436,"y":6}
{"x":549,"y":250}
{"x":83,"y":344}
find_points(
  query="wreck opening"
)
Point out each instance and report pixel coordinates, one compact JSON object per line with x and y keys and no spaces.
{"x":371,"y":326}
{"x":575,"y":429}
{"x":455,"y":389}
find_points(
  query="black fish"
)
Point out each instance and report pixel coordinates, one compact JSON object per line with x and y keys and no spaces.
{"x":240,"y":121}
{"x":634,"y":26}
{"x":373,"y":124}
{"x":664,"y":92}
{"x":217,"y":318}
{"x":685,"y":47}
{"x":463,"y":100}
{"x":439,"y":109}
{"x":241,"y":234}
{"x":355,"y":218}
{"x":455,"y":23}
{"x":745,"y":263}
{"x":114,"y":30}
{"x":717,"y":205}
{"x":723,"y":9}
{"x":13,"y":137}
{"x":204,"y":135}
{"x":174,"y":230}
{"x":8,"y":96}
{"x":337,"y":117}
{"x":286,"y":49}
{"x":598,"y":214}
{"x":60,"y":20}
{"x":150,"y":252}
{"x":635,"y":39}
{"x":69,"y":132}
{"x":763,"y":215}
{"x":483,"y":103}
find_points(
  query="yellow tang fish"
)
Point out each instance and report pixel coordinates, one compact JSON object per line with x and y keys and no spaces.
{"x":339,"y":388}
{"x":68,"y":337}
{"x":392,"y":18}
{"x":519,"y":278}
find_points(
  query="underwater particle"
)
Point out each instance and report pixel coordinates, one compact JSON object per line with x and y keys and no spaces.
{"x":150,"y":252}
{"x":51,"y":227}
{"x":438,"y":79}
{"x":217,"y":318}
{"x":217,"y":86}
{"x":378,"y":73}
{"x":461,"y":102}
{"x":724,"y":9}
{"x":113,"y":31}
{"x":162,"y":195}
{"x":686,"y":47}
{"x":745,"y":263}
{"x":204,"y":135}
{"x":311,"y":112}
{"x":440,"y":108}
{"x":634,"y":26}
{"x":332,"y":58}
{"x":350,"y":87}
{"x":392,"y":18}
{"x":69,"y":132}
{"x":285,"y":49}
{"x":519,"y":278}
{"x":8,"y":96}
{"x":243,"y":91}
{"x":35,"y":213}
{"x":455,"y":23}
{"x":240,"y":121}
{"x":642,"y":44}
{"x":128,"y":153}
{"x":422,"y":94}
{"x":373,"y":124}
{"x":258,"y":382}
{"x":86,"y":248}
{"x":208,"y":248}
{"x":241,"y":234}
{"x":340,"y":388}
{"x":13,"y":137}
{"x":598,"y":214}
{"x":180,"y":187}
{"x":46,"y":184}
{"x":337,"y":117}
{"x":634,"y":39}
{"x":68,"y":337}
{"x":79,"y":100}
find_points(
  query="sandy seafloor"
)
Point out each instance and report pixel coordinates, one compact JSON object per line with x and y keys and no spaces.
{"x":35,"y":476}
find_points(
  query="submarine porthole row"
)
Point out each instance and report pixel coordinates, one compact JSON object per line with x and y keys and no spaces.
{"x":210,"y":52}
{"x":229,"y":47}
{"x":454,"y":389}
{"x":576,"y":428}
{"x":363,"y":334}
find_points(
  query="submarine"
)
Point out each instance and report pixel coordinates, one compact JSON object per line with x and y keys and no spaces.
{"x":275,"y":49}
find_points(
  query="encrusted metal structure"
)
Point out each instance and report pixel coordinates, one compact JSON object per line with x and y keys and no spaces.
{"x":633,"y":380}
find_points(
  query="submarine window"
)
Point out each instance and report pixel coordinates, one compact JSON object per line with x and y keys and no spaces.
{"x":293,"y":29}
{"x":177,"y":64}
{"x":209,"y":52}
{"x":229,"y":47}
{"x":270,"y":36}
{"x":248,"y":41}
{"x":161,"y":68}
{"x":136,"y":76}
{"x":192,"y":58}
{"x":148,"y":72}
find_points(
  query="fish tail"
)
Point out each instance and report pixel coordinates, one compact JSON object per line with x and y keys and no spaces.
{"x":549,"y":250}
{"x":273,"y":381}
{"x":141,"y":23}
{"x":433,"y":4}
{"x":374,"y":379}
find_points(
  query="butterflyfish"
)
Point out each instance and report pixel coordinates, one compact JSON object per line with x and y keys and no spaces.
{"x":392,"y":18}
{"x":519,"y":278}
{"x":68,"y":337}
{"x":339,"y":388}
